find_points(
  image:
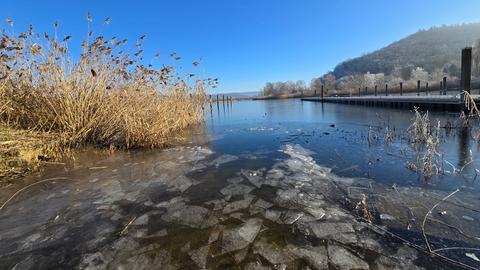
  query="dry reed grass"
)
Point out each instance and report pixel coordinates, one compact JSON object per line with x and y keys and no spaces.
{"x":427,"y":137}
{"x":104,"y":97}
{"x":22,"y":152}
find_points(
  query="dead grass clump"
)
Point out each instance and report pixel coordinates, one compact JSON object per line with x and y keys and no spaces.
{"x":426,"y":140}
{"x":420,"y":129}
{"x":23,"y":151}
{"x":106,"y":96}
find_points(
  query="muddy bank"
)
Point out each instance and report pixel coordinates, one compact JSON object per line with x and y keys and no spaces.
{"x":191,"y":208}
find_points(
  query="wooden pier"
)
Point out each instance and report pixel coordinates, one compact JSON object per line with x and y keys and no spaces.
{"x":442,"y":101}
{"x":432,"y":102}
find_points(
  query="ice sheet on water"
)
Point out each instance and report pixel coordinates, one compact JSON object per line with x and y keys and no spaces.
{"x":262,"y":204}
{"x":237,"y":205}
{"x":141,"y":220}
{"x":235,"y":180}
{"x":236,"y":189}
{"x":223,"y":159}
{"x":259,"y":129}
{"x":145,"y":261}
{"x":241,"y":237}
{"x":341,"y":258}
{"x":273,"y":253}
{"x":301,"y":161}
{"x":191,"y":215}
{"x":256,"y":266}
{"x":254,"y":176}
{"x":200,"y":256}
{"x":180,"y":183}
{"x":342,"y":232}
{"x":315,"y":256}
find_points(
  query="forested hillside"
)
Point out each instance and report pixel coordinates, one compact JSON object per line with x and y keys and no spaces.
{"x":428,"y":56}
{"x":432,"y":49}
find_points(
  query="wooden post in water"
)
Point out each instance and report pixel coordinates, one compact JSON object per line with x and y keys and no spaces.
{"x":426,"y":88}
{"x":218,"y":99}
{"x":444,"y":86}
{"x":466,"y":75}
{"x":375,"y":90}
{"x":210,"y":98}
{"x":386,"y":89}
{"x":223,"y":98}
{"x":418,"y":88}
{"x":441,"y":87}
{"x":401,"y":88}
{"x":322,"y":93}
{"x":359,"y":91}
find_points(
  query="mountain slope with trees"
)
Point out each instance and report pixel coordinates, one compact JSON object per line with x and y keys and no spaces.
{"x":428,"y":56}
{"x":432,"y":49}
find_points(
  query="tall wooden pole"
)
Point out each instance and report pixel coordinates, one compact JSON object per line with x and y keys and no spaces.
{"x":444,"y":85}
{"x":466,"y":75}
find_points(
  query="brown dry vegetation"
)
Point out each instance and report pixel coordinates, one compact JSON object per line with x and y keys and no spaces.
{"x":104,"y":97}
{"x":22,"y":151}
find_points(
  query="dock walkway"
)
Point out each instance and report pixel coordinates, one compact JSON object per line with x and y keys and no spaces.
{"x":437,"y":102}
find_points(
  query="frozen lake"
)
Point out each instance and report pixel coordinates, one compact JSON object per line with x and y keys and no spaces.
{"x":279,"y":184}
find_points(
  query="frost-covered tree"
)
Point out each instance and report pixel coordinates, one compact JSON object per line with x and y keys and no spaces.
{"x":419,"y":74}
{"x":316,"y":85}
{"x":329,"y":82}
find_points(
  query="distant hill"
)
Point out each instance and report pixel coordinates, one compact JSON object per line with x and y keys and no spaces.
{"x":435,"y":48}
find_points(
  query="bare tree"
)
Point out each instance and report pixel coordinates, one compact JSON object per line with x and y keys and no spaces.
{"x":329,"y":81}
{"x":316,"y":85}
{"x":437,"y":75}
{"x":379,"y":79}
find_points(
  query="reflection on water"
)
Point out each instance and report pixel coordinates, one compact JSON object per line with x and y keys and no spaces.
{"x":263,"y":185}
{"x":464,"y":147}
{"x":339,"y":135}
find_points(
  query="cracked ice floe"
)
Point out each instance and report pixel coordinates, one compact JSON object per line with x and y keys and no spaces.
{"x":237,"y":205}
{"x":273,"y":253}
{"x":200,"y":256}
{"x":190,"y":154}
{"x":240,"y":237}
{"x":263,"y":204}
{"x":342,"y":232}
{"x":255,"y":177}
{"x":315,"y":256}
{"x":223,"y":159}
{"x":236,"y":189}
{"x":180,"y":183}
{"x":341,"y":258}
{"x":235,"y":180}
{"x":301,"y":161}
{"x":190,"y":215}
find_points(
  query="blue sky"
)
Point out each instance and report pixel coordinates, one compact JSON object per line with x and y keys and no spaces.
{"x":247,"y":43}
